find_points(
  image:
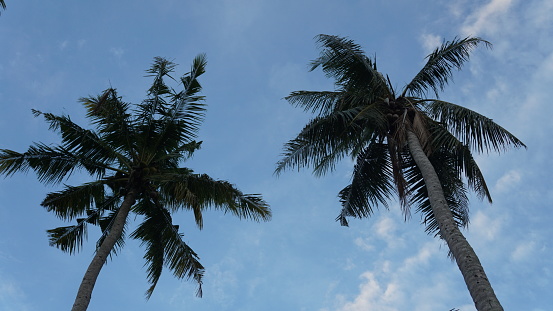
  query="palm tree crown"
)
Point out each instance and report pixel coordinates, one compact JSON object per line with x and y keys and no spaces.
{"x":134,"y":155}
{"x":367,"y":119}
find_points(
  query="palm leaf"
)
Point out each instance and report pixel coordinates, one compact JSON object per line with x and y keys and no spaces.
{"x":472,"y":128}
{"x":165,"y":247}
{"x":464,"y":160}
{"x":170,"y":160}
{"x":199,"y":191}
{"x":82,"y":142}
{"x":371,"y":184}
{"x":51,"y":164}
{"x":113,"y":121}
{"x":437,"y":71}
{"x":315,"y":102}
{"x":345,"y":61}
{"x":70,"y":238}
{"x":74,"y":201}
{"x":326,"y":140}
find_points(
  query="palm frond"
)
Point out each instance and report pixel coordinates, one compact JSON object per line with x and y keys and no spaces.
{"x":113,"y":121}
{"x":170,"y":160}
{"x":165,"y":247}
{"x":156,"y":102}
{"x":199,"y":192}
{"x":464,"y":161}
{"x":326,"y":140}
{"x":437,"y":71}
{"x":51,"y":164}
{"x":186,"y":112}
{"x":316,"y":102}
{"x":345,"y":61}
{"x":70,"y":238}
{"x":74,"y":201}
{"x":82,"y":142}
{"x":168,"y":119}
{"x":371,"y":184}
{"x":472,"y":128}
{"x":159,"y":69}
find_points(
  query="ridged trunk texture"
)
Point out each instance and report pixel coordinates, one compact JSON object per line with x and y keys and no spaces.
{"x":477,"y":282}
{"x":87,"y":285}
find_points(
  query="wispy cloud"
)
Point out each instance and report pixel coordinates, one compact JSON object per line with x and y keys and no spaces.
{"x":117,"y":52}
{"x":12,"y":297}
{"x":486,"y":227}
{"x":430,"y":41}
{"x":508,"y":181}
{"x":486,"y":19}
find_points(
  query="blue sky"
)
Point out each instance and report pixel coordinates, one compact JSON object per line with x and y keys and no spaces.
{"x":53,"y":53}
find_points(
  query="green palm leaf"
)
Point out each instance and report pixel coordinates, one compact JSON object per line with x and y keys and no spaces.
{"x":68,"y":239}
{"x":82,"y":142}
{"x":345,"y":61}
{"x":472,"y":128}
{"x":51,"y":164}
{"x":198,"y":192}
{"x":326,"y":140}
{"x":74,"y":201}
{"x":165,"y":247}
{"x":438,"y":69}
{"x":464,"y":161}
{"x":371,"y":184}
{"x":315,"y":102}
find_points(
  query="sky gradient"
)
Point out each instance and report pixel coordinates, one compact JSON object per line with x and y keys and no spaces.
{"x":258,"y":51}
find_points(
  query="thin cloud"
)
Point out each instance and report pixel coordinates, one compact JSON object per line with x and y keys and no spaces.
{"x":486,"y":19}
{"x":430,"y":42}
{"x":508,"y":181}
{"x":485,"y":227}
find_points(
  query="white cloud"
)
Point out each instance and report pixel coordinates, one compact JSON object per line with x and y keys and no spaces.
{"x":386,"y":229}
{"x":486,"y":19}
{"x":523,"y":251}
{"x":373,"y":295}
{"x":508,"y":181}
{"x":407,"y":286}
{"x":364,"y":244}
{"x":484,"y":227}
{"x":430,"y":42}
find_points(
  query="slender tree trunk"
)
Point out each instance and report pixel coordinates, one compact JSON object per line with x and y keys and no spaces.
{"x":477,"y":282}
{"x":87,"y":285}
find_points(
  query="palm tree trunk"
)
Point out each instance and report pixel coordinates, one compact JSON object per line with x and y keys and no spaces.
{"x":87,"y":285}
{"x":477,"y":282}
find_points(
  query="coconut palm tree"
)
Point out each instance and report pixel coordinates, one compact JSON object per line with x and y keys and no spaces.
{"x":134,"y":156}
{"x":404,"y":143}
